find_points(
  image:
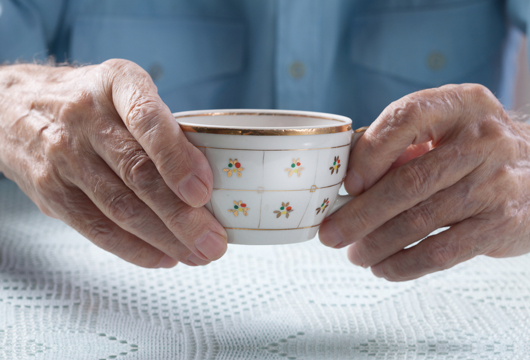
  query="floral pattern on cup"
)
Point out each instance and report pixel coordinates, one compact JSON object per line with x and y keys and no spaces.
{"x":285,"y":209}
{"x":336,"y":165}
{"x":239,"y":207}
{"x":234,"y":167}
{"x":295,"y":168}
{"x":323,"y":207}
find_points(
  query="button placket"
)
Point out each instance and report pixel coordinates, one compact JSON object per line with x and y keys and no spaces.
{"x":297,"y":69}
{"x":295,"y":48}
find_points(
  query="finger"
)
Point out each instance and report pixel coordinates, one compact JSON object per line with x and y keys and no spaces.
{"x":79,"y":212}
{"x":399,"y":190}
{"x":444,"y":208}
{"x":428,"y":115}
{"x":412,"y":152}
{"x":119,"y":204}
{"x":196,"y":228}
{"x":182,"y":166}
{"x":461,"y":242}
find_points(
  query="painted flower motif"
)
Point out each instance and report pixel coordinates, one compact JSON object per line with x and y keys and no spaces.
{"x":234,"y":167}
{"x":239,"y":207}
{"x":336,"y":165}
{"x":323,"y":207}
{"x":295,"y":168}
{"x":285,"y":209}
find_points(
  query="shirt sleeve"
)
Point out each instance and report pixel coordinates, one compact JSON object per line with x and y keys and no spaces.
{"x":28,"y":28}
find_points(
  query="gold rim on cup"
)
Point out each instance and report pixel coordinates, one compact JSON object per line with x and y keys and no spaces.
{"x":206,"y":129}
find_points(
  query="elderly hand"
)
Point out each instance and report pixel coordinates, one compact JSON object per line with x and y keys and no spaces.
{"x":442,"y":157}
{"x":96,"y":147}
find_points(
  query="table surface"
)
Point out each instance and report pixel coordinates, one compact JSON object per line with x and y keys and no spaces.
{"x":63,"y":298}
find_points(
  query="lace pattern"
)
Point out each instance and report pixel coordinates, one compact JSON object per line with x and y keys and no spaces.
{"x":63,"y":298}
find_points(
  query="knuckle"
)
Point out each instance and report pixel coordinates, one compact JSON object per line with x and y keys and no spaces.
{"x":61,"y":140}
{"x":420,"y":218}
{"x":58,"y":144}
{"x":185,"y":220}
{"x":143,"y":112}
{"x":76,"y":110}
{"x":362,"y":221}
{"x":116,"y":63}
{"x":144,"y":259}
{"x":103,"y":235}
{"x":175,"y":160}
{"x":81,"y":100}
{"x":500,"y":190}
{"x":440,"y":254}
{"x":142,"y":104}
{"x":138,"y":171}
{"x":505,"y":144}
{"x":413,"y":180}
{"x":369,"y":250}
{"x":478,"y":92}
{"x":124,"y":208}
{"x":492,"y":128}
{"x":505,"y":149}
{"x":121,"y":66}
{"x":482,"y":97}
{"x":109,"y":238}
{"x":405,"y":111}
{"x":504,"y":175}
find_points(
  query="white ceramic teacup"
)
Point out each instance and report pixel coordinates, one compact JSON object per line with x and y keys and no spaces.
{"x":276,"y":173}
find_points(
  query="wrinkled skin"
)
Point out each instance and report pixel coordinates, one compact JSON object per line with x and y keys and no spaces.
{"x":441,"y":157}
{"x":97,"y":148}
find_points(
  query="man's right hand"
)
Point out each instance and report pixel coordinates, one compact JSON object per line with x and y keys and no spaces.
{"x":96,"y":147}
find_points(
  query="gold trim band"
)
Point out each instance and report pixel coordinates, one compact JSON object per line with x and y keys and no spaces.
{"x":361,"y":129}
{"x":299,"y":228}
{"x":326,"y":148}
{"x":260,"y":191}
{"x":268,"y":132}
{"x":208,"y":129}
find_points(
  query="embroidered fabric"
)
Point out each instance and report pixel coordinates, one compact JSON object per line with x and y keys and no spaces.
{"x":63,"y":298}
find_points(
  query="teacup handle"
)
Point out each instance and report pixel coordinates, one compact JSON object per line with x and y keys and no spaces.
{"x":340,"y":202}
{"x":344,"y":199}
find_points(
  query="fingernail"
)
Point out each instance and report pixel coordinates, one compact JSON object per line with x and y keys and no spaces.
{"x":212,"y":245}
{"x":329,"y":234}
{"x":354,"y":183}
{"x":193,"y":191}
{"x":166,"y":262}
{"x":354,"y":257}
{"x":377,"y":271}
{"x":195,"y":260}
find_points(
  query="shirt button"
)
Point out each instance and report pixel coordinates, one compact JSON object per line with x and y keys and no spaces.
{"x":156,"y":71}
{"x":436,"y":61}
{"x":297,"y":70}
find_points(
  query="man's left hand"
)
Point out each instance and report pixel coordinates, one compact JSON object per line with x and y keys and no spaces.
{"x":440,"y":157}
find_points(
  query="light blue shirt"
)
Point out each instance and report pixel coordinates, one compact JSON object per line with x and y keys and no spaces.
{"x":350,"y":57}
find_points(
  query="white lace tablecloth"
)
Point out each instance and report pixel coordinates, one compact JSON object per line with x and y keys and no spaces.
{"x":63,"y":298}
